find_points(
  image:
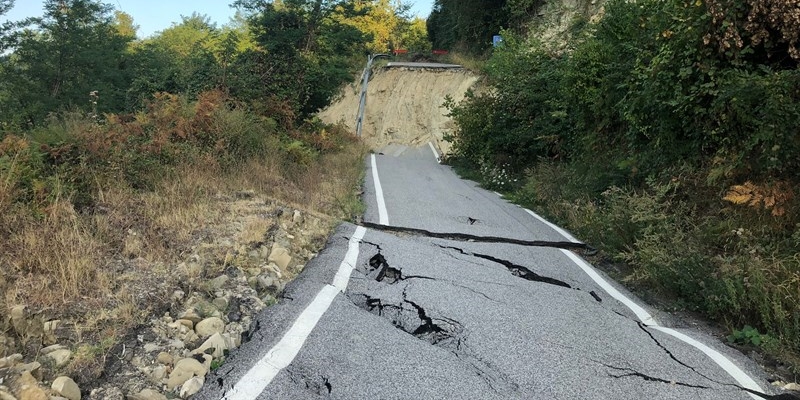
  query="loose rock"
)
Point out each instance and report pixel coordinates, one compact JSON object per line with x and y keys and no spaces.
{"x":191,"y":387}
{"x":66,"y":387}
{"x":220,"y":303}
{"x":10,"y":361}
{"x":209,"y":326}
{"x":219,"y":343}
{"x":147,"y":394}
{"x":6,"y":396}
{"x":218,"y":282}
{"x":165,"y":358}
{"x":59,"y":357}
{"x":192,"y":315}
{"x":28,"y":388}
{"x":19,"y":316}
{"x":34,"y":368}
{"x":280,"y":256}
{"x":185,"y":369}
{"x":158,"y":374}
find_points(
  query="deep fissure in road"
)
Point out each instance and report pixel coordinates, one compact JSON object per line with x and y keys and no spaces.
{"x":521,"y":271}
{"x":414,"y":319}
{"x":465,"y":237}
{"x":437,"y":331}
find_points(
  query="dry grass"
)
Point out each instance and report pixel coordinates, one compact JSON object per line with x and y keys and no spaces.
{"x":329,"y":186}
{"x":53,"y":260}
{"x":112,"y":265}
{"x":68,"y":263}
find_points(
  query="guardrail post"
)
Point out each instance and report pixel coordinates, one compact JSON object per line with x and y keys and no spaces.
{"x":365,"y":82}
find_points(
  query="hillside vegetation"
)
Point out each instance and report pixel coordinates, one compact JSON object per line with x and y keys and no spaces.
{"x":664,"y":132}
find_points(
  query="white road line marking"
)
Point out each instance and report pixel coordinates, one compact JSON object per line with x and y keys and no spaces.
{"x":726,"y":364}
{"x":346,"y":267}
{"x":279,"y":357}
{"x":740,"y":376}
{"x":253,"y":383}
{"x":435,"y":153}
{"x":640,"y":312}
{"x":554,"y":226}
{"x":499,"y":194}
{"x":383,"y":216}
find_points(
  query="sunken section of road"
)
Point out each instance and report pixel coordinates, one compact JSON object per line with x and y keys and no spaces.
{"x":434,"y":318}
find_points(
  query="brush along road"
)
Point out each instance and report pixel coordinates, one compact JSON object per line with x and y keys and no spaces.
{"x":428,"y":301}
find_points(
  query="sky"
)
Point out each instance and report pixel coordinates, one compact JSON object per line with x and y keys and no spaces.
{"x":155,"y":15}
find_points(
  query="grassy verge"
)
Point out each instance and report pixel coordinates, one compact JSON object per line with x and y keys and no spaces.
{"x":94,"y":213}
{"x":685,"y":242}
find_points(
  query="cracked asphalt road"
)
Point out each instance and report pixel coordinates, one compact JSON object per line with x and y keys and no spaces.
{"x":454,"y":316}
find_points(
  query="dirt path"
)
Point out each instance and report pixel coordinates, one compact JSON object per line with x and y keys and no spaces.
{"x":404,"y":106}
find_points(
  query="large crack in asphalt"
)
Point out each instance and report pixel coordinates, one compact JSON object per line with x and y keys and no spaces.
{"x":625,"y":372}
{"x":448,"y":334}
{"x":465,"y":237}
{"x":452,"y":337}
{"x":414,"y":319}
{"x":521,"y":271}
{"x":783,"y":396}
{"x":643,"y":328}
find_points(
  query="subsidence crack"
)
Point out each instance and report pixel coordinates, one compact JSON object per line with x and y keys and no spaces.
{"x":465,"y":237}
{"x":391,"y":275}
{"x":412,"y":318}
{"x":643,"y":327}
{"x":519,"y":270}
{"x":628,"y":372}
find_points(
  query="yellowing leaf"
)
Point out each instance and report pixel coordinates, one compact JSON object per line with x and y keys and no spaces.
{"x":737,"y":198}
{"x":740,"y":194}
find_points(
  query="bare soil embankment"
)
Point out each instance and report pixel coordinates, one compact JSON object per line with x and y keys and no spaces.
{"x":404,"y":106}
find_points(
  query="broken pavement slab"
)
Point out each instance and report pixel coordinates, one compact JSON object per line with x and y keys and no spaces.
{"x":502,"y":335}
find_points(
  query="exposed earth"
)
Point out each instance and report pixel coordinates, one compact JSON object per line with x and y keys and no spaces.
{"x":404,"y":108}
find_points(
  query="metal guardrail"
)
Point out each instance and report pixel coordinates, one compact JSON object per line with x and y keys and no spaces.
{"x":364,"y":83}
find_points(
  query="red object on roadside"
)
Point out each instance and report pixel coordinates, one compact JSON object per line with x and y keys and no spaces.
{"x":400,"y":51}
{"x":440,"y":52}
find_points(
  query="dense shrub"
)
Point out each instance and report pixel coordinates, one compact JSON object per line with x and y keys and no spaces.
{"x":72,"y":155}
{"x":641,"y":90}
{"x":667,"y":135}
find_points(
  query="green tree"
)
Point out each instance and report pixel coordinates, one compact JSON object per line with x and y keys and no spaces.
{"x":179,"y":59}
{"x":382,"y":21}
{"x":123,"y":22}
{"x":466,"y":24}
{"x":5,"y":5}
{"x":415,"y":36}
{"x":74,"y":49}
{"x":305,"y":52}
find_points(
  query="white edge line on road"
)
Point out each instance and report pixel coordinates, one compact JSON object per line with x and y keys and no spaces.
{"x":726,"y":364}
{"x":640,"y":312}
{"x":435,"y":153}
{"x":346,"y":267}
{"x":253,"y":383}
{"x":383,"y":216}
{"x":735,"y":372}
{"x":554,"y":226}
{"x":499,"y":194}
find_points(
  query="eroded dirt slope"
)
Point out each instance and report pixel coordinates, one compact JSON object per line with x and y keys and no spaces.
{"x":404,"y":106}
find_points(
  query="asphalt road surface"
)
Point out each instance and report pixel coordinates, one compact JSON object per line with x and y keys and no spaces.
{"x":480,"y":299}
